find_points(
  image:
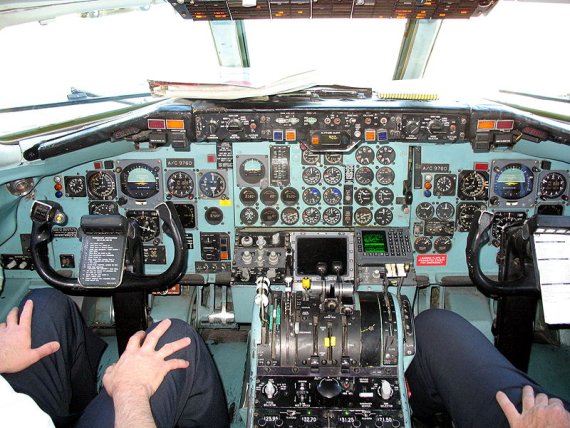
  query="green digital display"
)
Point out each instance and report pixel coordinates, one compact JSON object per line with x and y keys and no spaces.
{"x":374,"y":241}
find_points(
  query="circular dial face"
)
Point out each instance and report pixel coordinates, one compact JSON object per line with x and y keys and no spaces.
{"x":384,"y":196}
{"x":187,"y":214}
{"x":442,"y":244}
{"x":332,"y":175}
{"x":148,"y":223}
{"x":385,"y":175}
{"x":552,"y":185}
{"x":101,"y":185}
{"x":180,"y":184}
{"x":103,"y":208}
{"x":465,"y":213}
{"x":364,"y":155}
{"x":333,"y":158}
{"x":424,"y":211}
{"x":383,"y":216}
{"x":269,"y":216}
{"x":289,"y":216}
{"x":269,"y":196}
{"x":289,"y":196}
{"x":363,"y":196}
{"x":513,"y":181}
{"x":332,"y":196}
{"x":362,"y":216}
{"x":74,"y":186}
{"x":248,"y":196}
{"x":422,"y":245}
{"x":212,"y":184}
{"x":252,"y":170}
{"x":386,"y":155}
{"x":248,"y":216}
{"x":472,"y":184}
{"x":139,"y":181}
{"x":310,"y":158}
{"x":311,"y":196}
{"x":444,"y":185}
{"x":214,"y":215}
{"x":502,"y":219}
{"x":311,"y":175}
{"x":445,"y":211}
{"x":311,"y":216}
{"x":364,"y":176}
{"x":332,"y":216}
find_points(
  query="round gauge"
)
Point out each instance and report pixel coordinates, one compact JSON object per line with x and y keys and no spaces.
{"x":385,"y":175}
{"x":269,"y":196}
{"x":148,"y":224}
{"x":187,"y":214}
{"x":444,"y":185}
{"x":386,"y":155}
{"x":445,"y":211}
{"x":103,"y":208}
{"x":332,"y":175}
{"x":383,"y":216}
{"x":311,"y":175}
{"x":362,"y":216}
{"x":248,"y":216}
{"x":180,"y":184}
{"x":364,"y":176}
{"x":310,"y":158}
{"x":465,"y":213}
{"x":311,"y":196}
{"x":101,"y":185}
{"x":212,"y":184}
{"x":364,"y":155}
{"x":472,"y":185}
{"x":552,"y":185}
{"x":251,"y":170}
{"x":513,"y":181}
{"x":363,"y":196}
{"x":333,"y":158}
{"x":248,"y":196}
{"x":422,"y":245}
{"x":214,"y":216}
{"x":269,"y":216}
{"x":332,"y":216}
{"x":289,"y":216}
{"x":384,"y":196}
{"x":75,"y":186}
{"x":289,"y":196}
{"x":503,"y":219}
{"x":139,"y":180}
{"x":442,"y":244}
{"x":424,"y":211}
{"x":332,"y":196}
{"x":311,"y":216}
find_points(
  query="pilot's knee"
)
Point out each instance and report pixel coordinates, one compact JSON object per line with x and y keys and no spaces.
{"x":48,"y":302}
{"x":437,"y":322}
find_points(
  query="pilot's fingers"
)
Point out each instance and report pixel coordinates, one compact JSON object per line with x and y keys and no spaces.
{"x":175,"y":363}
{"x":555,"y":402}
{"x":153,"y":337}
{"x":541,"y":400}
{"x":12,"y":317}
{"x":527,"y":397}
{"x":507,"y":407}
{"x":46,"y":349}
{"x":26,"y":315}
{"x":135,"y":341}
{"x":172,"y":347}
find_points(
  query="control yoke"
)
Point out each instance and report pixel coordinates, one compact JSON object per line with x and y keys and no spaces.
{"x":113,"y":240}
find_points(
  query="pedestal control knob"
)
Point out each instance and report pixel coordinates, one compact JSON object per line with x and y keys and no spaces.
{"x":329,"y":388}
{"x":385,"y":390}
{"x":270,"y":390}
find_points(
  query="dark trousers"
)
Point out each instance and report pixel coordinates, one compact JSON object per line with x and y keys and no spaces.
{"x":456,"y":369}
{"x":64,"y":384}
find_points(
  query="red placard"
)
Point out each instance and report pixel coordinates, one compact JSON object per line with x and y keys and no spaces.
{"x":431,"y":260}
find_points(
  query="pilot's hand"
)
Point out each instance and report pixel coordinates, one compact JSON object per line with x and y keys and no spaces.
{"x":16,"y":353}
{"x":537,"y":412}
{"x":141,"y":368}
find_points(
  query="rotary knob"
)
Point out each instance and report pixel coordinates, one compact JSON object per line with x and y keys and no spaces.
{"x":385,"y":390}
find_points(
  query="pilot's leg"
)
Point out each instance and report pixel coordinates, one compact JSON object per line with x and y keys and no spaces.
{"x":63,"y":383}
{"x":191,"y":397}
{"x":456,"y":369}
